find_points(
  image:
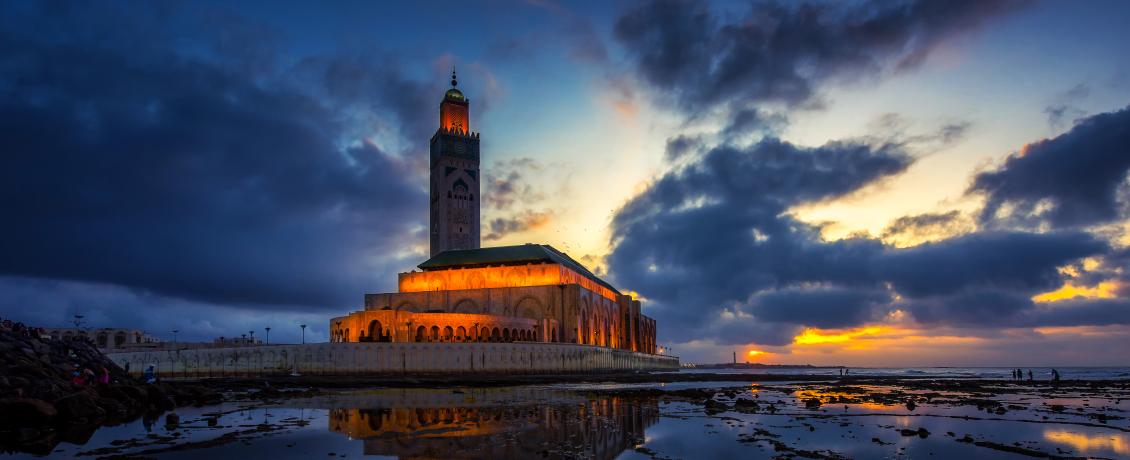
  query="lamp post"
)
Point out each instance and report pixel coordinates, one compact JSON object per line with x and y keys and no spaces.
{"x":175,"y":331}
{"x":303,"y":326}
{"x":268,"y":338}
{"x":252,"y":333}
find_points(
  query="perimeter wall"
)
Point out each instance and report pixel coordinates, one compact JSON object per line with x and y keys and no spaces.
{"x":360,"y":358}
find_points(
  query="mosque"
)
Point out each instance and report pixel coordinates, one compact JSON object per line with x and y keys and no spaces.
{"x":465,"y":293}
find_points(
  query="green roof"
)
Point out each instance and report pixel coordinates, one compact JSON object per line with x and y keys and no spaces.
{"x":508,"y":255}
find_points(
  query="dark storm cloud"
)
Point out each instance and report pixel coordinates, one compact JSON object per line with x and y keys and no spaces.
{"x":1067,"y":181}
{"x":783,"y":52}
{"x":754,"y":122}
{"x":712,"y":248}
{"x":818,"y":307}
{"x":681,"y":145}
{"x":1080,"y":312}
{"x":708,"y":236}
{"x":974,"y":307}
{"x":1010,"y":260}
{"x":139,"y":154}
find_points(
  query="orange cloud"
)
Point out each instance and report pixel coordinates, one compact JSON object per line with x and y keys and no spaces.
{"x":1103,"y":290}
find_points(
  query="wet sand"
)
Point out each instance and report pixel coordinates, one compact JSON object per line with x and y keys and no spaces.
{"x":659,"y":417}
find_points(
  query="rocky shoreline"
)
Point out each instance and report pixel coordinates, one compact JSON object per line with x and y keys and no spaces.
{"x":41,"y":406}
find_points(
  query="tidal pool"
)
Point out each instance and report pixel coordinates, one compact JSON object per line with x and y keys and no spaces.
{"x":781,"y":420}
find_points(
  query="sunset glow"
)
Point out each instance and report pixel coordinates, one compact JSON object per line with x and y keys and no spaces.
{"x":1103,"y":290}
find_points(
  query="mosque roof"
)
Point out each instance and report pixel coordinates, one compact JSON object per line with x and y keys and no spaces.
{"x":508,"y":255}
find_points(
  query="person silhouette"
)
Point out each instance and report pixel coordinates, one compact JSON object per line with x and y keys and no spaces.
{"x":1029,"y":375}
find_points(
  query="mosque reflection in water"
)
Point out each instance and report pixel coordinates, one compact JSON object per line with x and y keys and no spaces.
{"x":598,"y":428}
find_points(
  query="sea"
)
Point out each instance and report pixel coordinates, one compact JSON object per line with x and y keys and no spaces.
{"x":1005,"y":373}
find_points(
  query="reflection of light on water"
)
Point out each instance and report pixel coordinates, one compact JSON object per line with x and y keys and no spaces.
{"x":1116,"y":442}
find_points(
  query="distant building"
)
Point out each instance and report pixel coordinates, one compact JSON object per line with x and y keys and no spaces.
{"x":106,"y":338}
{"x":465,"y":293}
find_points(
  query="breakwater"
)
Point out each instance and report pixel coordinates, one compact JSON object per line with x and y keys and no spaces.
{"x":359,"y":358}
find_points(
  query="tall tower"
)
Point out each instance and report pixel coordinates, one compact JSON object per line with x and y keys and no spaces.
{"x":455,"y":176}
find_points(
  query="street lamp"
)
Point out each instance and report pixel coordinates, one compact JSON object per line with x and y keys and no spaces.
{"x":175,"y":331}
{"x":252,"y":337}
{"x":268,"y":339}
{"x":303,"y":326}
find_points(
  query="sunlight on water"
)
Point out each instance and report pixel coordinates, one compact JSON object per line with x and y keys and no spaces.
{"x":1085,"y":443}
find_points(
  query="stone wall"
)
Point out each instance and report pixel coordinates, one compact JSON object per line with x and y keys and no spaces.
{"x":391,"y":358}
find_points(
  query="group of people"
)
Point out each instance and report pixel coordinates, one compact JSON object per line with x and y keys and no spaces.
{"x":86,"y":377}
{"x":21,"y":328}
{"x":1019,"y":375}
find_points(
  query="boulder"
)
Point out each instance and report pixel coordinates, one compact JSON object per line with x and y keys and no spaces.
{"x":25,"y":412}
{"x":79,"y":407}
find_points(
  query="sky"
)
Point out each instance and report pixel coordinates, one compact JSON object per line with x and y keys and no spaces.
{"x":865,"y":183}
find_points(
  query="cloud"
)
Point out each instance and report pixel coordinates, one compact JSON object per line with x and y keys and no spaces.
{"x":704,"y":238}
{"x":756,"y":122}
{"x":785,"y":52}
{"x":823,"y":307}
{"x":924,"y":226}
{"x":1071,"y":180}
{"x":1063,"y":110}
{"x":141,"y":155}
{"x":508,"y":184}
{"x":528,"y":220}
{"x":1021,"y":261}
{"x":712,"y":247}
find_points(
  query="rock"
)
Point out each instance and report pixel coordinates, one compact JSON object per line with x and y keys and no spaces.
{"x":79,"y":407}
{"x":812,"y":403}
{"x":910,"y":405}
{"x":25,"y":412}
{"x":747,"y":404}
{"x":172,"y":421}
{"x":715,"y":406}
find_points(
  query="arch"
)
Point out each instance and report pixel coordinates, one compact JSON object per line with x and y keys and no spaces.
{"x":103,"y":339}
{"x":119,"y":338}
{"x":408,"y":305}
{"x":136,"y":337}
{"x":466,"y":306}
{"x":484,"y":335}
{"x":434,"y":337}
{"x":476,"y":281}
{"x":448,"y":333}
{"x":529,"y":307}
{"x":420,"y":331}
{"x":461,"y":334}
{"x":505,"y":334}
{"x":376,"y":332}
{"x":495,"y":335}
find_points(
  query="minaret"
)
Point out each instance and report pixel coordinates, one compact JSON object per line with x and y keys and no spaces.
{"x":454,"y":221}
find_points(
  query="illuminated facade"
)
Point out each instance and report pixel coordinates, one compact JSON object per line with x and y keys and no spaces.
{"x":464,"y":293}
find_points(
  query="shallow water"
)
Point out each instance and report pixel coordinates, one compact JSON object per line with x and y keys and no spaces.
{"x":1002,"y":373}
{"x":636,"y":422}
